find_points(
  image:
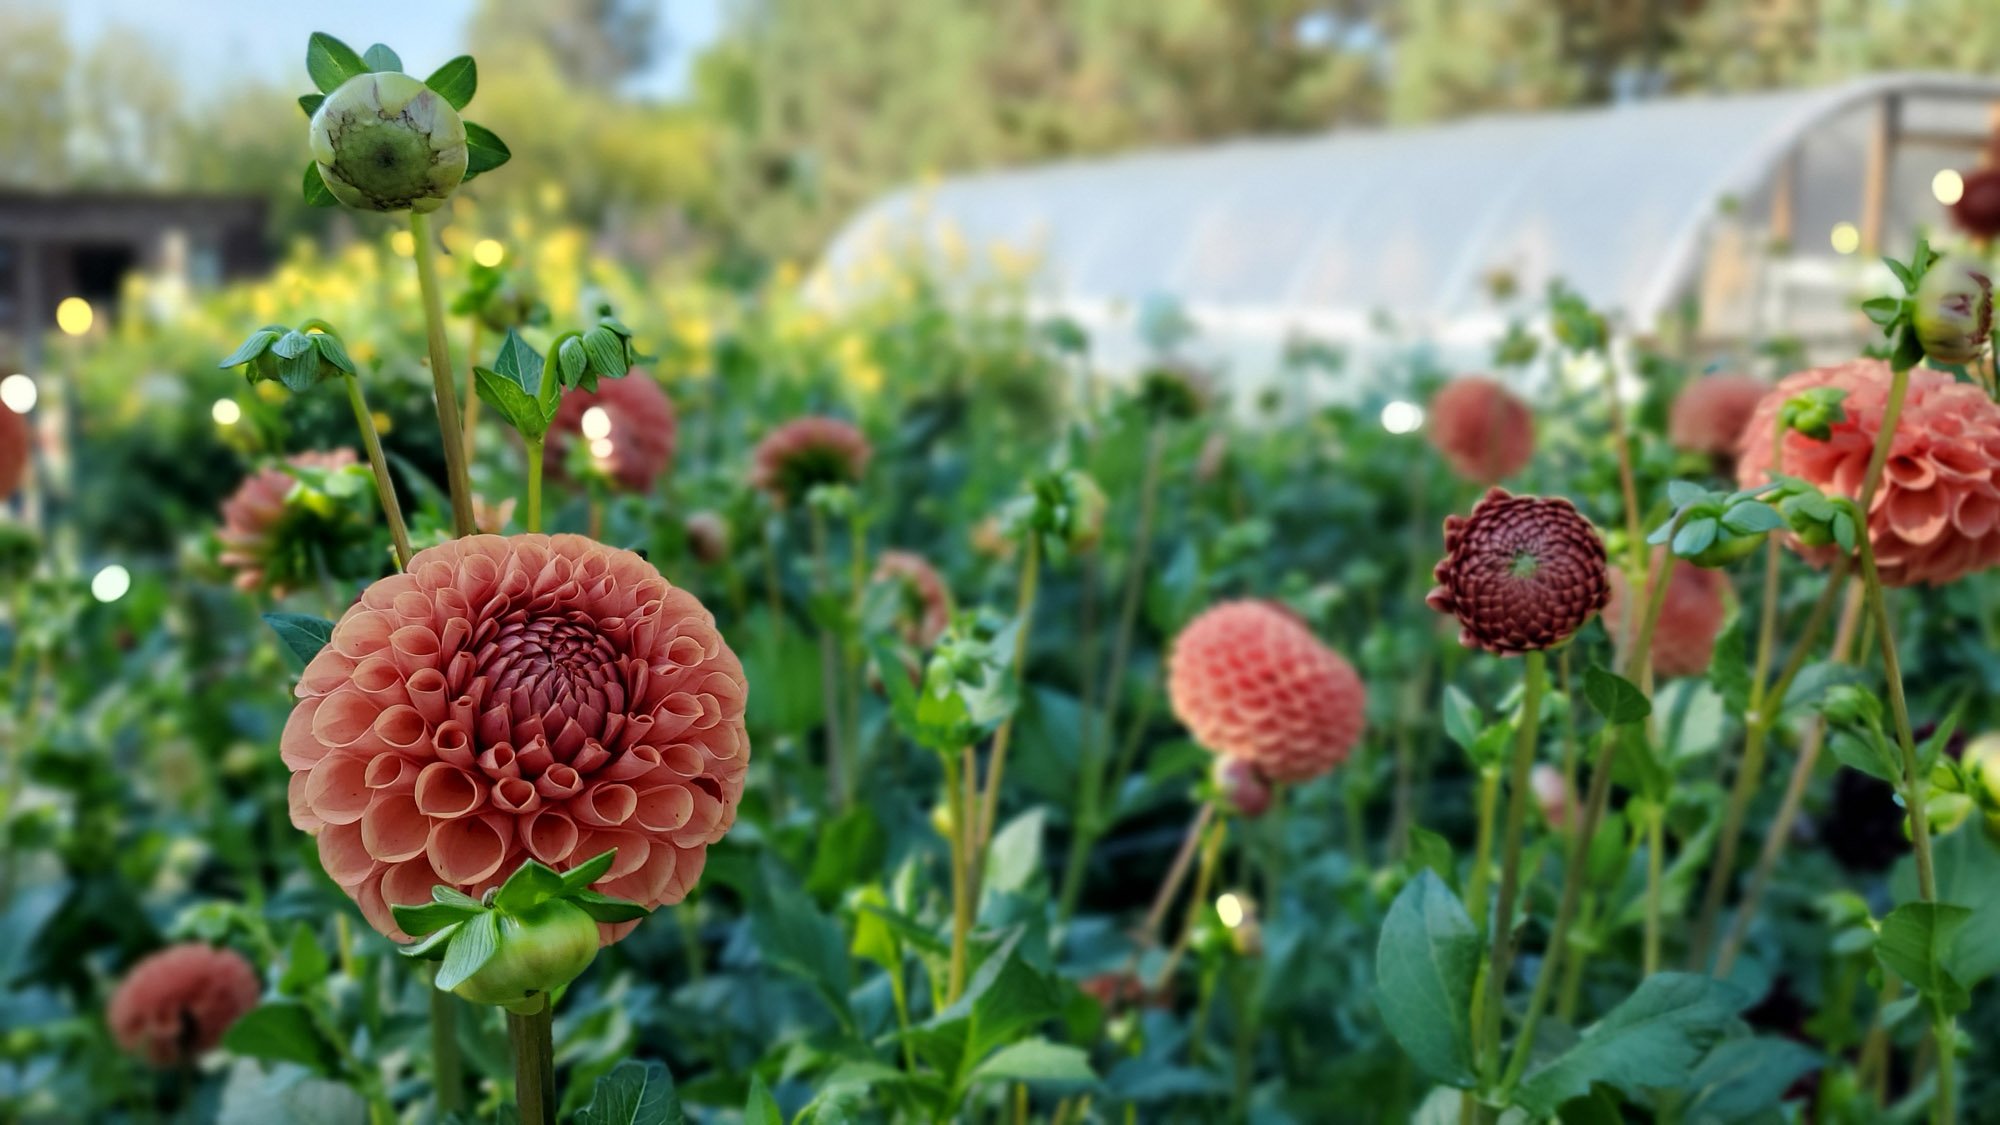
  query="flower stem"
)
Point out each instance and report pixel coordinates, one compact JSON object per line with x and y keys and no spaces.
{"x":1502,"y":943}
{"x":451,"y":431}
{"x":535,"y":485}
{"x":447,"y":1072}
{"x":471,"y":390}
{"x":996,"y":763}
{"x":1176,"y":872}
{"x":385,"y":489}
{"x":1628,"y":488}
{"x":1204,"y":878}
{"x":533,"y":1040}
{"x":829,"y":669}
{"x":1656,"y":846}
{"x":1482,"y":848}
{"x":961,"y":891}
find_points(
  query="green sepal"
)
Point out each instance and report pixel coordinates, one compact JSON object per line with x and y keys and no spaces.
{"x":331,"y":62}
{"x":455,"y":81}
{"x":604,"y":908}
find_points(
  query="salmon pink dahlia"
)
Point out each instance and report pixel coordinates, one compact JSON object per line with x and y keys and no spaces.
{"x":1485,"y":432}
{"x":15,"y":436}
{"x":805,"y":453}
{"x":924,"y":608}
{"x":1521,"y":573}
{"x":508,"y":698}
{"x":1936,"y":516}
{"x":175,"y":1005}
{"x":265,"y":537}
{"x":642,"y":429}
{"x":1251,"y":682}
{"x":1697,"y":604}
{"x":1709,"y":413}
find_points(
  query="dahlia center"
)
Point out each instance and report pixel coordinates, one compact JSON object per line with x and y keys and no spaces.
{"x":552,"y":674}
{"x":1525,"y":565}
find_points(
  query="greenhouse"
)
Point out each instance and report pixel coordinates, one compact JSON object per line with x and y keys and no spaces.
{"x":1760,"y":212}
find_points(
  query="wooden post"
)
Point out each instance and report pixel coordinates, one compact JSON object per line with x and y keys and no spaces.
{"x":1875,"y":175}
{"x":1784,"y":199}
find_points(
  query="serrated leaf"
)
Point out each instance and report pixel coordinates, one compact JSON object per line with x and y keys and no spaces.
{"x":381,"y":59}
{"x":520,"y":362}
{"x":252,"y":347}
{"x":301,"y":634}
{"x":604,"y":908}
{"x":331,"y":62}
{"x":455,"y":81}
{"x":532,"y":884}
{"x":1425,"y":964}
{"x":316,"y":193}
{"x":483,"y":150}
{"x":1613,"y":696}
{"x":1652,"y":1039}
{"x":589,"y":871}
{"x":430,"y":917}
{"x":475,"y":943}
{"x":635,"y":1092}
{"x":311,"y":103}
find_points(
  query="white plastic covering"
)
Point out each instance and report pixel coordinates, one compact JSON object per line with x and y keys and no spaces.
{"x":1327,"y":236}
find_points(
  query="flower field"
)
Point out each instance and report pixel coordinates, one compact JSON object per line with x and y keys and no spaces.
{"x":458,"y":678}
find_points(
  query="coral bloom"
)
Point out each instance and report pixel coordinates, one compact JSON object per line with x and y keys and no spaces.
{"x":175,"y":1005}
{"x":15,"y":437}
{"x":1521,"y":573}
{"x":924,"y":608}
{"x":1936,"y":516}
{"x":1697,"y":603}
{"x":1709,"y":413}
{"x":643,"y":427}
{"x":507,"y":698}
{"x":807,"y":452}
{"x":707,"y":536}
{"x":253,"y":518}
{"x":1485,"y":432}
{"x":1250,"y":681}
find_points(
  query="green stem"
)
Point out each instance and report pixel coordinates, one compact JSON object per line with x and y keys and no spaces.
{"x":447,"y":1072}
{"x":385,"y":489}
{"x":829,"y":668}
{"x":1482,"y":847}
{"x":1204,"y":878}
{"x":1502,"y":943}
{"x":533,"y":1040}
{"x":471,"y":390}
{"x":1024,"y":619}
{"x":1176,"y":872}
{"x":1656,"y":847}
{"x":1571,"y":992}
{"x":535,"y":485}
{"x":451,"y":431}
{"x":961,"y":891}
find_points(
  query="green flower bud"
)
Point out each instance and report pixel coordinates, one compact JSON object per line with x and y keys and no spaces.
{"x":1982,"y":769}
{"x":1846,"y":705}
{"x":387,"y":142}
{"x":1946,"y":811}
{"x":1815,"y":412}
{"x":298,"y":358}
{"x":541,"y":949}
{"x":1954,"y":310}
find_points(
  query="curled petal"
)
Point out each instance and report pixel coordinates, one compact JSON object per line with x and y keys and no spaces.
{"x":605,"y":806}
{"x":337,"y":789}
{"x":550,"y":836}
{"x":445,"y":792}
{"x":393,"y":829}
{"x":470,"y":848}
{"x":344,"y":855}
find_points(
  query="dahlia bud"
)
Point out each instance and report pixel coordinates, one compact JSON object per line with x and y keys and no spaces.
{"x":1066,"y":506}
{"x":1848,"y":705}
{"x":1521,"y":573}
{"x":540,"y":950}
{"x":1814,"y":412}
{"x":1174,"y":391}
{"x":1954,"y":310}
{"x":1242,"y":788}
{"x":386,"y":142}
{"x":297,"y":357}
{"x":1982,"y":769}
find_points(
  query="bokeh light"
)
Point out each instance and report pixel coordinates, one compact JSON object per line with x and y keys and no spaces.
{"x":1230,"y":909}
{"x":1846,"y":238}
{"x":601,"y":449}
{"x":1948,"y":186}
{"x":596,"y":423}
{"x":18,"y":393}
{"x":226,"y":412}
{"x":111,"y":583}
{"x":403,"y":243}
{"x":1402,"y":417}
{"x":74,"y":316}
{"x":489,"y":253}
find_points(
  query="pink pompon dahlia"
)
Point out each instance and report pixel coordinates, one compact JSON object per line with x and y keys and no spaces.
{"x":1696,"y":606}
{"x":15,"y":437}
{"x":643,"y":427}
{"x":1936,"y":516}
{"x":506,"y":698}
{"x":1709,"y":414}
{"x":806,"y":452}
{"x":255,"y":543}
{"x":1485,"y":432}
{"x":925,"y":605}
{"x":1250,"y":681}
{"x":1521,"y":573}
{"x":175,"y":1005}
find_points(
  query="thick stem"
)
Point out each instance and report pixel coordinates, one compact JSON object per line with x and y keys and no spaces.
{"x":385,"y":489}
{"x":1502,"y":943}
{"x":447,"y":1072}
{"x":535,"y":486}
{"x":451,"y":430}
{"x":533,"y":1040}
{"x":1024,"y":619}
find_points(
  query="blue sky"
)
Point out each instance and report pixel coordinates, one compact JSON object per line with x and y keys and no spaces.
{"x":209,"y":37}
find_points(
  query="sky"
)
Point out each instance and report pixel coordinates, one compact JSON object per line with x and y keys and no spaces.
{"x":210,"y":38}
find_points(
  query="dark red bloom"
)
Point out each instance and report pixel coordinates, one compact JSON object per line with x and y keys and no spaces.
{"x":1483,"y":429}
{"x":1521,"y":573}
{"x":175,"y":1005}
{"x":641,"y":434}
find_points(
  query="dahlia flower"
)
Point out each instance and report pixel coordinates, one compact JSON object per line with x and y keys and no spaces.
{"x":1936,"y":515}
{"x":15,"y":439}
{"x":1697,"y":602}
{"x":707,"y":536}
{"x":1251,"y":682}
{"x":175,"y":1005}
{"x":386,"y":142}
{"x":924,"y":605}
{"x":643,"y":428}
{"x":507,"y":698}
{"x":1242,"y":786}
{"x":1977,"y":211}
{"x":1485,"y":432}
{"x":279,"y":532}
{"x":1521,"y":573}
{"x":1953,"y":316}
{"x":1709,"y":413}
{"x":806,"y":452}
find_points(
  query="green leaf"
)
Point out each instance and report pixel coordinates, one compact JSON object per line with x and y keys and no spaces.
{"x":331,"y":62}
{"x":306,"y":962}
{"x":1431,"y":850}
{"x":1654,"y":1038}
{"x":760,"y":1108}
{"x":532,"y":884}
{"x":1425,"y":963}
{"x":795,"y":937}
{"x":1613,"y":696}
{"x":605,"y":908}
{"x":430,"y":917}
{"x":282,"y":1031}
{"x":433,"y":947}
{"x":514,"y":404}
{"x":314,"y":188}
{"x":1903,"y":275}
{"x":483,"y":151}
{"x":1462,"y":719}
{"x":1695,"y":536}
{"x":311,"y":103}
{"x":606,"y":350}
{"x":519,"y":362}
{"x":589,"y":871}
{"x":475,"y":944}
{"x":1037,"y":1062}
{"x":1864,"y":750}
{"x":455,"y":81}
{"x":1744,"y":1078}
{"x":634,"y":1093}
{"x":1681,"y":493}
{"x":381,"y":59}
{"x":1752,"y":517}
{"x":333,"y":352}
{"x":1883,"y":310}
{"x":1014,"y":856}
{"x":1915,"y":942}
{"x":252,"y":347}
{"x":301,"y":634}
